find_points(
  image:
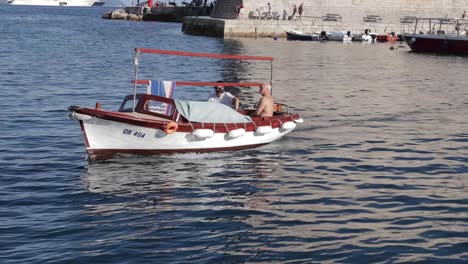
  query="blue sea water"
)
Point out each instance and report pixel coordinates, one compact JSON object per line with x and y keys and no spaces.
{"x":378,"y":173}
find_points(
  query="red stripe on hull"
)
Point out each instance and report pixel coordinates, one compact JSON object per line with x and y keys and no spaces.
{"x":103,"y":154}
{"x":274,"y":122}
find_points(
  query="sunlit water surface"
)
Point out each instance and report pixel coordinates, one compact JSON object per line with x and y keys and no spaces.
{"x":377,"y":173}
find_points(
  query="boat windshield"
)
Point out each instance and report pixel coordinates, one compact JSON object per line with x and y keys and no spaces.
{"x":159,"y":107}
{"x":127,"y":105}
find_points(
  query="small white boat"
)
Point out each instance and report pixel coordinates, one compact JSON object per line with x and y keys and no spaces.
{"x":149,"y":124}
{"x":368,"y":37}
{"x":57,"y":2}
{"x":336,"y":35}
{"x":347,"y":39}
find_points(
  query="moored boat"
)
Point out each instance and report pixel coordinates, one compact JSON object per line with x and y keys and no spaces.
{"x":446,"y":35}
{"x":299,"y":35}
{"x":348,"y":37}
{"x":368,"y":37}
{"x":392,"y":37}
{"x":149,"y":124}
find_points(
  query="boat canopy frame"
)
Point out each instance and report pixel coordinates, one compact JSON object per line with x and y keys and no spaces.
{"x":139,"y":51}
{"x":434,"y":21}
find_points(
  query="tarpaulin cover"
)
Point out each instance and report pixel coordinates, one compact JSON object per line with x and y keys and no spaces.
{"x":208,"y":112}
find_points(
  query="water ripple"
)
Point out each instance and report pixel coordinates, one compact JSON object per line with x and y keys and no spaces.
{"x":376,"y":174}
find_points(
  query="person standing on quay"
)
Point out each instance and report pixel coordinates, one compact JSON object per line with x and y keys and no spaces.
{"x":301,"y":10}
{"x":294,"y":12}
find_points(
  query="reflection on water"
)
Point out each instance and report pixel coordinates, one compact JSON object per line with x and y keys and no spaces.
{"x":272,"y":202}
{"x":377,"y":171}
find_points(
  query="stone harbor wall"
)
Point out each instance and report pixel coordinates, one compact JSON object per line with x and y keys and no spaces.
{"x":258,"y":19}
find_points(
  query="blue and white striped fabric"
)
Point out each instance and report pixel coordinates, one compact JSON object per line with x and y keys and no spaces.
{"x":163,"y":89}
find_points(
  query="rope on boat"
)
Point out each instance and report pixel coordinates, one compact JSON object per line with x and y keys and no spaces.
{"x":191,"y":125}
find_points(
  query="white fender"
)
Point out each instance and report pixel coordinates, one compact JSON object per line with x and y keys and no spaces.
{"x":262,"y":130}
{"x":203,"y":133}
{"x":288,"y":125}
{"x":300,"y":120}
{"x":236,"y":133}
{"x":77,"y":116}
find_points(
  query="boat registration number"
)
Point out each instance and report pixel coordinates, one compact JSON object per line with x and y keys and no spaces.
{"x":133,"y":133}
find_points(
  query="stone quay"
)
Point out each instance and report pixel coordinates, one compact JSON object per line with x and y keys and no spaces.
{"x":269,"y":18}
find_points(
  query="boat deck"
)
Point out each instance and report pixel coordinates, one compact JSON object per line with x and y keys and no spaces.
{"x":144,"y":116}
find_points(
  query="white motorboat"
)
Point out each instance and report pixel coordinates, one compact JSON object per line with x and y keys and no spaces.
{"x":368,"y":37}
{"x":149,"y":124}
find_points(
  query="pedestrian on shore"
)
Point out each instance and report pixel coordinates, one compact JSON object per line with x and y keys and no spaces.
{"x":300,"y":10}
{"x":294,"y":12}
{"x":464,"y":15}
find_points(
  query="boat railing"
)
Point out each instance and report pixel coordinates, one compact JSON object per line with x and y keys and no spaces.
{"x":437,"y":25}
{"x":139,"y":51}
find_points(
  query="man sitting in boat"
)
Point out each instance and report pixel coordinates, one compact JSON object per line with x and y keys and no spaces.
{"x":266,"y":104}
{"x":220,"y":96}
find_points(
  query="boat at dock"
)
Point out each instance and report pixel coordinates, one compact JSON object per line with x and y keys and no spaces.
{"x":299,"y":35}
{"x":76,"y":3}
{"x":392,"y":37}
{"x":445,"y":35}
{"x":154,"y":123}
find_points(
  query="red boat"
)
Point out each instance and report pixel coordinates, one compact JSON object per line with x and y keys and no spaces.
{"x":445,"y":35}
{"x":387,"y":38}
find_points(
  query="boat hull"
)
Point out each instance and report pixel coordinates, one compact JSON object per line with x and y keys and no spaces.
{"x":106,"y":138}
{"x":290,"y":35}
{"x":437,"y":43}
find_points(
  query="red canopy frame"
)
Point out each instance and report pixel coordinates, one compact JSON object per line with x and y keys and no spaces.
{"x":195,"y":54}
{"x":191,"y":83}
{"x":205,"y":55}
